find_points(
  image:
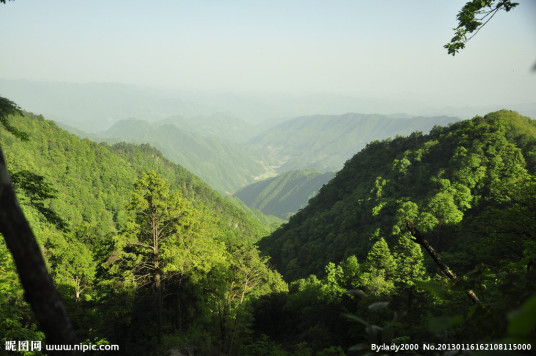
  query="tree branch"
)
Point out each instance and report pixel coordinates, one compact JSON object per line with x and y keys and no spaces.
{"x":419,"y":238}
{"x":39,"y":289}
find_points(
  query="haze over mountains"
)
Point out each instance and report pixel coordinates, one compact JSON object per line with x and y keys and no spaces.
{"x":234,"y":140}
{"x":225,"y":165}
{"x":94,"y":107}
{"x":321,"y":142}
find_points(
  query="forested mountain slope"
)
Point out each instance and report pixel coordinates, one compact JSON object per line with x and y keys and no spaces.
{"x":469,"y":189}
{"x":147,"y":252}
{"x":93,"y":180}
{"x":450,"y":183}
{"x":225,"y":165}
{"x":325,"y":142}
{"x":285,"y":194}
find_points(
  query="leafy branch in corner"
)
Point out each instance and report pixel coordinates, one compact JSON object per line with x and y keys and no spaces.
{"x":472,"y":18}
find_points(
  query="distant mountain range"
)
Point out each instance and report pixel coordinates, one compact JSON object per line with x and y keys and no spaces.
{"x":325,"y":142}
{"x":227,"y":154}
{"x":224,"y":165}
{"x":227,"y":139}
{"x":94,"y":107}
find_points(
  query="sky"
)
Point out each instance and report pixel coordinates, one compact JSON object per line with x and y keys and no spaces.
{"x":377,"y":48}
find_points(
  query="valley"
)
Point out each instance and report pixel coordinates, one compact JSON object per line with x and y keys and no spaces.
{"x":267,"y":178}
{"x":225,"y":152}
{"x":345,"y":249}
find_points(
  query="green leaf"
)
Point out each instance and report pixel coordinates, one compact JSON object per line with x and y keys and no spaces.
{"x":378,"y":306}
{"x":355,"y":318}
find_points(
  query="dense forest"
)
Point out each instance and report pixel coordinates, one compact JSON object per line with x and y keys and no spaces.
{"x":98,"y":254}
{"x":146,"y":256}
{"x":364,"y":245}
{"x":169,"y":238}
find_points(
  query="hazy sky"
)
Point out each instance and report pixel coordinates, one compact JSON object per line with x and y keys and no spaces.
{"x":374,"y":47}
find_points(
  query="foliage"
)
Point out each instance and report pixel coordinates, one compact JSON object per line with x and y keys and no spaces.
{"x":470,"y":190}
{"x":7,"y":109}
{"x":474,"y":15}
{"x":209,"y":271}
{"x":34,"y":191}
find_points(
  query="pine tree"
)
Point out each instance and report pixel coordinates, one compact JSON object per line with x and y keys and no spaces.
{"x":158,"y":220}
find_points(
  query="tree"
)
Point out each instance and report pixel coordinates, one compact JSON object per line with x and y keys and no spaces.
{"x":474,"y":15}
{"x":381,"y":268}
{"x":73,"y":264}
{"x":246,"y":276}
{"x":158,"y":219}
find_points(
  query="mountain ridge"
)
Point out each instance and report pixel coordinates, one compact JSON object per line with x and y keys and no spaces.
{"x":64,"y":157}
{"x":437,"y":179}
{"x":325,"y":142}
{"x":225,"y":165}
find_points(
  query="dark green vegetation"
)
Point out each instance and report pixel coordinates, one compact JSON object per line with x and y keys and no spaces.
{"x":285,"y":194}
{"x":204,"y":269}
{"x":469,"y":189}
{"x":152,"y":259}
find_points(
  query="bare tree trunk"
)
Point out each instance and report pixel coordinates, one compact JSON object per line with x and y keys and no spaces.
{"x":419,"y":238}
{"x":39,"y":290}
{"x":159,"y":305}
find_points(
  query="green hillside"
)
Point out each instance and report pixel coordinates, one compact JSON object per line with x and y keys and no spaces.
{"x":325,"y":142}
{"x":138,"y":229}
{"x":285,"y":194}
{"x":93,"y":180}
{"x":442,"y":181}
{"x":224,"y":165}
{"x":355,"y":256}
{"x":418,"y":240}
